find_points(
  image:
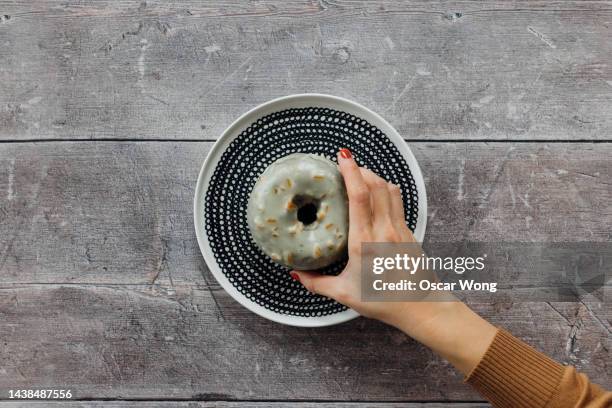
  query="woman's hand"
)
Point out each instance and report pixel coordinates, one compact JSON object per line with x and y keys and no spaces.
{"x":376,"y":214}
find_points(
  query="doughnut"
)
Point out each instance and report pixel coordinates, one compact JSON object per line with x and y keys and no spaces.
{"x":298,"y":212}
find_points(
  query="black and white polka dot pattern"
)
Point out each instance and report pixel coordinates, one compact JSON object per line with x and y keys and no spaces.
{"x":307,"y":130}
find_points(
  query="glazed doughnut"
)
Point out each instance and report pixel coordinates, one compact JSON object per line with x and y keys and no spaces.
{"x":298,"y":212}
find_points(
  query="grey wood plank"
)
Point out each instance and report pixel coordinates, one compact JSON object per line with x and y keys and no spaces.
{"x":121,"y":213}
{"x":73,"y":209}
{"x":235,"y":404}
{"x":176,"y":70}
{"x":133,"y":342}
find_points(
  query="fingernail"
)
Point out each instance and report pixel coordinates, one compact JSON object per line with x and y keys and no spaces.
{"x":294,"y":276}
{"x":345,"y":153}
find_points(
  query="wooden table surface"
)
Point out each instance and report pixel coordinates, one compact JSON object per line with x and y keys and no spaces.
{"x":108,"y":109}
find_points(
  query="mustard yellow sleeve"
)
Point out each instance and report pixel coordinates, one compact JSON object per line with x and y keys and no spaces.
{"x":512,"y":374}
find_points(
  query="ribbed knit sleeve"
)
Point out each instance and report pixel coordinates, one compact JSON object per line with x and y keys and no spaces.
{"x":512,"y":374}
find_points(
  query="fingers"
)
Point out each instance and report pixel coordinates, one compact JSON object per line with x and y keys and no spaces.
{"x":381,"y":199}
{"x":388,"y":207}
{"x":360,"y":212}
{"x":397,"y":205}
{"x":397,"y":213}
{"x":324,"y":285}
{"x":372,"y":201}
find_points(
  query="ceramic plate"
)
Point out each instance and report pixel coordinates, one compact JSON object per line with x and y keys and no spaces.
{"x":308,"y":123}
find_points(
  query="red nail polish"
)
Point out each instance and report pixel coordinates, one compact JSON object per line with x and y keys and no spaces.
{"x":294,"y":276}
{"x":345,"y":153}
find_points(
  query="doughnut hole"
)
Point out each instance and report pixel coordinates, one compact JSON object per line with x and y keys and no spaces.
{"x":307,"y":209}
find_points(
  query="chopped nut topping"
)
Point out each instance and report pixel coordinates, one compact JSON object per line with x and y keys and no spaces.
{"x":271,"y":220}
{"x":289,"y":183}
{"x":329,"y":226}
{"x":295,"y":228}
{"x":291,"y":206}
{"x":338,"y":234}
{"x":318,"y":177}
{"x":317,"y":251}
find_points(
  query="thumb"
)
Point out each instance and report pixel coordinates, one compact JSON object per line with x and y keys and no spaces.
{"x":325,"y":285}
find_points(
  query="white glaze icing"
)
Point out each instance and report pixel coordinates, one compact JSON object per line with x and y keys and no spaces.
{"x":287,"y":185}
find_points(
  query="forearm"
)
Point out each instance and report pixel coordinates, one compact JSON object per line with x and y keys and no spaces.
{"x":451,"y":329}
{"x":502,"y":368}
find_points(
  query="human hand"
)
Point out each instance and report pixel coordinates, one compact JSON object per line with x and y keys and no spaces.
{"x":376,"y":214}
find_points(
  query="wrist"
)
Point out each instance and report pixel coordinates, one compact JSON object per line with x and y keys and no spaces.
{"x":449,"y":328}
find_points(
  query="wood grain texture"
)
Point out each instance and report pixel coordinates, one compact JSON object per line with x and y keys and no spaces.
{"x":103,"y":288}
{"x":122,"y":213}
{"x":102,"y":285}
{"x":185,"y":70}
{"x":198,"y":343}
{"x":236,"y":404}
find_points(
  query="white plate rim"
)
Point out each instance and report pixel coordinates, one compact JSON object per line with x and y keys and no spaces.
{"x":233,"y":130}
